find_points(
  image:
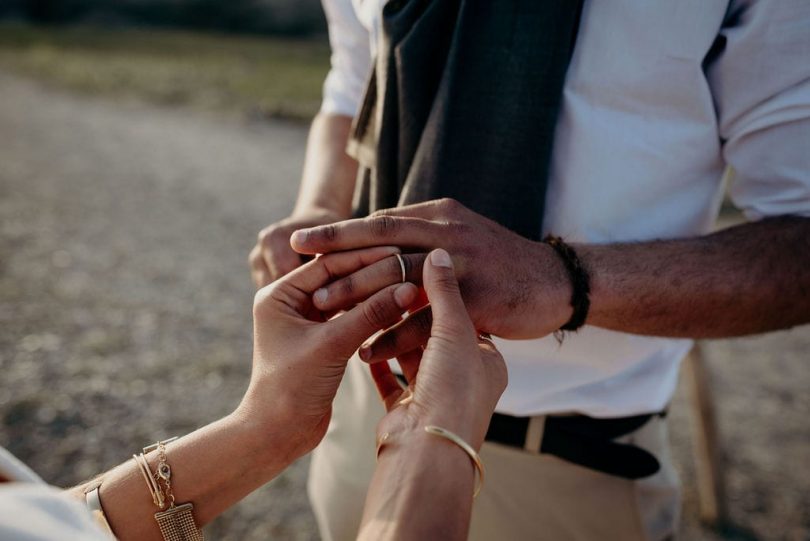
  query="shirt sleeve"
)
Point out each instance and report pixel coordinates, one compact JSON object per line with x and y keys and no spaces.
{"x":38,"y":512}
{"x":760,"y":81}
{"x":350,"y":60}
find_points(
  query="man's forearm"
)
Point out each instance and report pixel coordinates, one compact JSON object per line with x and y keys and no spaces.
{"x":747,"y":279}
{"x":329,"y":173}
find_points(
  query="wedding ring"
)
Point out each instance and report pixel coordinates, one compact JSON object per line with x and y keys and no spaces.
{"x":401,"y":266}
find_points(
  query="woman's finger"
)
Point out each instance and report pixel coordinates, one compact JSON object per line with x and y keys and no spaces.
{"x":450,"y":318}
{"x":359,"y":285}
{"x":387,"y":384}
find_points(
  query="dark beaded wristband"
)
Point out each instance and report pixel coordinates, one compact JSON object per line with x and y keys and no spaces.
{"x":580,"y":282}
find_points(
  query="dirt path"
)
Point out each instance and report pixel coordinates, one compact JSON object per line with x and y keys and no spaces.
{"x":125,"y":307}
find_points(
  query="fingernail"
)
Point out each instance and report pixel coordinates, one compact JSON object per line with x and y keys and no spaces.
{"x":299,"y":237}
{"x":440,"y":258}
{"x":403,"y":295}
{"x":320,"y":296}
{"x":365,"y":352}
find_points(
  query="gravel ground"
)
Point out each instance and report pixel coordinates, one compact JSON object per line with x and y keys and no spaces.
{"x":125,"y":308}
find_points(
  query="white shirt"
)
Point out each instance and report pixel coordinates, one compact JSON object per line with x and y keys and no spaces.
{"x":31,"y":510}
{"x":645,"y":132}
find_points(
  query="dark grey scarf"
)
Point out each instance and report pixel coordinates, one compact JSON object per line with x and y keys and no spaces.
{"x":463,"y":103}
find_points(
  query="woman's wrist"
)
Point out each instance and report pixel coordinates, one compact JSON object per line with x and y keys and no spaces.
{"x":270,"y":432}
{"x":460,"y":421}
{"x":415,"y":468}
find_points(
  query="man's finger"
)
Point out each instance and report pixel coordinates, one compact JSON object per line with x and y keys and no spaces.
{"x":409,"y":363}
{"x":359,"y":285}
{"x":427,"y":210}
{"x":450,"y":317}
{"x":371,"y":231}
{"x":387,"y":384}
{"x":327,"y":268}
{"x":258,"y":268}
{"x":348,"y":330}
{"x":411,"y":333}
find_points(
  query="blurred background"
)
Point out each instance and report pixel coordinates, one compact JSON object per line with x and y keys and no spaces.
{"x":143,"y":144}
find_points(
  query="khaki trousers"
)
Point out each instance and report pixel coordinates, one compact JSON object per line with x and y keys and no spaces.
{"x":526,"y":495}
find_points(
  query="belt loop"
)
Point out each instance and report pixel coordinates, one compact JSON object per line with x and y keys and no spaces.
{"x":534,"y":434}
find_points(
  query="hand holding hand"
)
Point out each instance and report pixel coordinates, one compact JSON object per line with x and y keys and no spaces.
{"x":300,"y":355}
{"x":512,"y":287}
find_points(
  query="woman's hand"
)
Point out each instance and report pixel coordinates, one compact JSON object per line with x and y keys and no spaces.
{"x":423,"y":485}
{"x":300,"y":354}
{"x":457,"y":381}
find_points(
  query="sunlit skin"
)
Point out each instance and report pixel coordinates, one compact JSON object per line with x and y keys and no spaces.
{"x":300,"y":355}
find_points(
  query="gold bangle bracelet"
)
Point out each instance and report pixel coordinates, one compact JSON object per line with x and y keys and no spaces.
{"x":151,"y":484}
{"x":466,"y":447}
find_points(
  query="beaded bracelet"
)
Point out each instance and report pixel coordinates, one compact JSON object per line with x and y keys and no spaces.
{"x":580,"y":282}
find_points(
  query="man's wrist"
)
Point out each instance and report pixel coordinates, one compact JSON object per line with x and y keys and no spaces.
{"x":553,"y":288}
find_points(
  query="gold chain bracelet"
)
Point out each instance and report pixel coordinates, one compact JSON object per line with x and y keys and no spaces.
{"x":177,"y":522}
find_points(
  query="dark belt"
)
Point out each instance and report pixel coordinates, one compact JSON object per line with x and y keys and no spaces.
{"x":583,"y":440}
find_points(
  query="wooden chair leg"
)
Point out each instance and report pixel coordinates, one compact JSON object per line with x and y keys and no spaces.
{"x":706,"y":449}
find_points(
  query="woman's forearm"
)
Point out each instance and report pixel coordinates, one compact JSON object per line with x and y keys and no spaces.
{"x":212,"y":468}
{"x":422,"y":489}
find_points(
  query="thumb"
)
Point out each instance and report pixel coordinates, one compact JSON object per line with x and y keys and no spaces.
{"x":450,"y":318}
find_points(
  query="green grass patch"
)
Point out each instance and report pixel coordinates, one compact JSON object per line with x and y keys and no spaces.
{"x":273,"y":76}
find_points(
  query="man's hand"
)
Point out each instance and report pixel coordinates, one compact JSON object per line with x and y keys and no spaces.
{"x":272,"y":257}
{"x":512,"y":287}
{"x":300,"y":354}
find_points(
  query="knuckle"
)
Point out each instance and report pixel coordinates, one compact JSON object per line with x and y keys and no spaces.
{"x":328,"y":232}
{"x":381,"y":212}
{"x":347,"y":286}
{"x":269,"y":235}
{"x":443,"y":328}
{"x":460,"y":228}
{"x":451,"y":205}
{"x":383,"y":226}
{"x":262,"y":301}
{"x":446,"y":284}
{"x":376,"y":313}
{"x":420,"y":323}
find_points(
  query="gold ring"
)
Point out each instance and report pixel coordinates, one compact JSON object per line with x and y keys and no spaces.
{"x":401,"y":266}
